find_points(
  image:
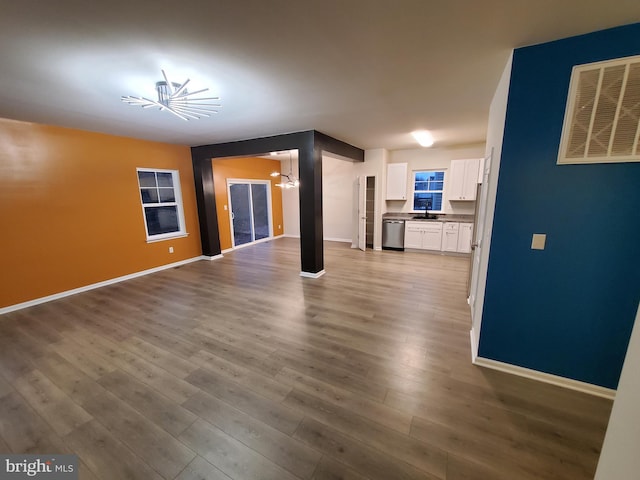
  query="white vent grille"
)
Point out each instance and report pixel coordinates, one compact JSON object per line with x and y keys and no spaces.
{"x":602,"y":119}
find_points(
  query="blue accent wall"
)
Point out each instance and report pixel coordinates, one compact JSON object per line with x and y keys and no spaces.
{"x":567,"y":310}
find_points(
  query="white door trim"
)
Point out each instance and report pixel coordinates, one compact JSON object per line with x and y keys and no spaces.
{"x":236,"y":181}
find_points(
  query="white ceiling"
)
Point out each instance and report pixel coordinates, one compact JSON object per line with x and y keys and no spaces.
{"x":364,"y":71}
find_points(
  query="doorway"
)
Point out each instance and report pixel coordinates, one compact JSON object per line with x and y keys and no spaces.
{"x":250,"y":210}
{"x":370,"y":210}
{"x":366,"y":211}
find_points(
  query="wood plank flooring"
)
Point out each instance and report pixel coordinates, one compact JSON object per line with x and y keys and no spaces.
{"x":241,"y":369}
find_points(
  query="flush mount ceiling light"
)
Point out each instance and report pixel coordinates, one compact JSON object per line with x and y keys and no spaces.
{"x":292,"y":181}
{"x":423,"y":137}
{"x":174,"y":98}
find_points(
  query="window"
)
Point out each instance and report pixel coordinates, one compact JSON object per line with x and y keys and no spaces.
{"x":427,"y":190}
{"x":161,"y":203}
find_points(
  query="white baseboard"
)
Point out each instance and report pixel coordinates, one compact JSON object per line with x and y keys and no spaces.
{"x":86,"y":288}
{"x":375,"y":249}
{"x":312,"y":275}
{"x":546,"y":378}
{"x":262,"y":240}
{"x":474,"y":347}
{"x":214,"y":257}
{"x":327,"y":239}
{"x":333,"y":239}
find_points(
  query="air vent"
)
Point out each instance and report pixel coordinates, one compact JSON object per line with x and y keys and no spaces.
{"x":602,"y":119}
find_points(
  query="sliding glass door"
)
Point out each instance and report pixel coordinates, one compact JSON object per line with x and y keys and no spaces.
{"x":250,"y":207}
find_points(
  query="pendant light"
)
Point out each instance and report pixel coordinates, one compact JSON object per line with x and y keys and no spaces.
{"x":291,"y":180}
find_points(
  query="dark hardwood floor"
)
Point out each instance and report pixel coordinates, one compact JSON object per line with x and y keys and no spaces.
{"x":241,"y":369}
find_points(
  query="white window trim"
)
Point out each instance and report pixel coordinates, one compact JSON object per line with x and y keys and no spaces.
{"x":268,"y":183}
{"x":177,"y":190}
{"x":413,"y":187}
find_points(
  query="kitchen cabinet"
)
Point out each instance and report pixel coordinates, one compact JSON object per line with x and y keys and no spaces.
{"x":423,"y":235}
{"x":463,"y":180}
{"x":412,"y":235}
{"x":465,"y":236}
{"x":396,"y":181}
{"x":450,"y":236}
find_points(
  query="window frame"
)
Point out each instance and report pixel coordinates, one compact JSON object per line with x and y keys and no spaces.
{"x":177,"y":203}
{"x":414,"y":191}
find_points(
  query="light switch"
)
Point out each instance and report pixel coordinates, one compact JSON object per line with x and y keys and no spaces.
{"x":538,"y":240}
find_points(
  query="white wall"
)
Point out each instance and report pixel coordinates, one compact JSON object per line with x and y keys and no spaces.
{"x":433,"y":159}
{"x":337,"y":198}
{"x":620,"y":457}
{"x":495,"y":134}
{"x":291,"y":200}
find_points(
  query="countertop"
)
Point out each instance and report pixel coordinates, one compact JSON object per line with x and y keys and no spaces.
{"x":440,"y":218}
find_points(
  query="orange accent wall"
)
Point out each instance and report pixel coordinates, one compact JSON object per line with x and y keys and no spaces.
{"x":250,"y":169}
{"x":70,"y":209}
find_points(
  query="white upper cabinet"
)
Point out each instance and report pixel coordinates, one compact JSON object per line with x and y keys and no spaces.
{"x":463,"y":180}
{"x":397,"y":181}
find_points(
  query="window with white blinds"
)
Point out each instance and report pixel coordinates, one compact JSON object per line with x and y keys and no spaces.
{"x":602,"y":119}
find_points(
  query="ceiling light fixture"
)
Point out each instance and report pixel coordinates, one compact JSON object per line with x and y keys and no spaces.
{"x":292,"y":181}
{"x":423,"y":137}
{"x":174,"y":98}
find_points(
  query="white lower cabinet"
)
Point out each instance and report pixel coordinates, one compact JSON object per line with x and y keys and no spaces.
{"x":412,"y":235}
{"x":450,"y":237}
{"x":442,"y":236}
{"x":465,"y":235}
{"x":423,"y":235}
{"x":456,"y":237}
{"x":432,"y":236}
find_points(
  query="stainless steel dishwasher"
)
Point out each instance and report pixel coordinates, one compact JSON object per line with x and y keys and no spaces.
{"x":393,"y":234}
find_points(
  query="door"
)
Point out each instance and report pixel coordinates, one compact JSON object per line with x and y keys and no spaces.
{"x":478,"y":231}
{"x":250,"y":210}
{"x":371,"y":210}
{"x":362,"y":213}
{"x":260,"y":205}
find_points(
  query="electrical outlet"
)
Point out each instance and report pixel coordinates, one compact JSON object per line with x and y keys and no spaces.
{"x":538,"y":240}
{"x":225,"y":207}
{"x":170,"y":249}
{"x":279,"y":227}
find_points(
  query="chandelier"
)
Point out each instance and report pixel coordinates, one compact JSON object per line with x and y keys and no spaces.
{"x":291,"y":180}
{"x":176,"y":99}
